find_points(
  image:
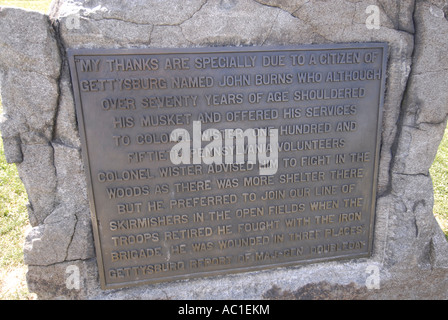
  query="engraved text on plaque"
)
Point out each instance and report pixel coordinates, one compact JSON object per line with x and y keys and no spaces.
{"x":215,"y":160}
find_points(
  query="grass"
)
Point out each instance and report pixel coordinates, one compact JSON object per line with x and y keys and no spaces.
{"x":36,"y":5}
{"x":439,"y":174}
{"x":13,"y":225}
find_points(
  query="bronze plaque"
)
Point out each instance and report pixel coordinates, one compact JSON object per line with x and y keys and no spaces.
{"x":207,"y":161}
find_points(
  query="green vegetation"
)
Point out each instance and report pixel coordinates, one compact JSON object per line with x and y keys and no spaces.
{"x":13,"y":223}
{"x":36,"y":5}
{"x":439,"y":174}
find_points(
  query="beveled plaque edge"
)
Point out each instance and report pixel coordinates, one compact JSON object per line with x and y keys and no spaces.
{"x":73,"y":53}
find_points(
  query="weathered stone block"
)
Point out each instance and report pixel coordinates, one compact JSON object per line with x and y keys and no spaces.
{"x":48,"y":243}
{"x":40,"y":133}
{"x":38,"y":174}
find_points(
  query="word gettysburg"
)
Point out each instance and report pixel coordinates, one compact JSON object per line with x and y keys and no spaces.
{"x":219,"y":150}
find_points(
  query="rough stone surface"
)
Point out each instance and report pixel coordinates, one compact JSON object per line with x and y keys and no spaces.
{"x":28,"y":44}
{"x":29,"y":63}
{"x":48,"y":243}
{"x":425,"y":107}
{"x":40,"y":134}
{"x":39,"y":177}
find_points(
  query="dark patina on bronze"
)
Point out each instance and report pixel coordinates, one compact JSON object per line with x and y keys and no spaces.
{"x":158,"y":220}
